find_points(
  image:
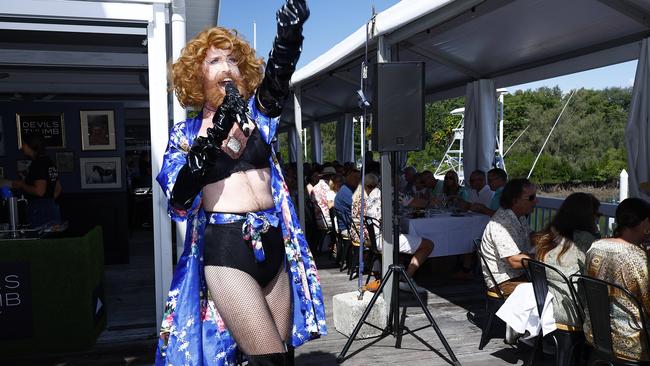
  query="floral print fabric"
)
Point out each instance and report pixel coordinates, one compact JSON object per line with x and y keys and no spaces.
{"x":504,"y":236}
{"x":626,"y":265}
{"x":372,"y":206}
{"x":192,"y":331}
{"x":321,"y":208}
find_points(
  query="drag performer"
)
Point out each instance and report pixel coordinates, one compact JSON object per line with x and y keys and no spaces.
{"x":246,"y":281}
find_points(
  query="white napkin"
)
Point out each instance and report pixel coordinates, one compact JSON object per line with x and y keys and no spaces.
{"x":520,"y":312}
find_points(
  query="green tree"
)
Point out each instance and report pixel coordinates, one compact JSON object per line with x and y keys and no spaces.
{"x":587,"y":144}
{"x":328,"y":135}
{"x":438,"y":126}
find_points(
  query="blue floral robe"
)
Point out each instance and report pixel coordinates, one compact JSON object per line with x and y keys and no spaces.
{"x":192,"y":331}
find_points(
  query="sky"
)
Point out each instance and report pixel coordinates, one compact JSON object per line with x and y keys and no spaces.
{"x":331,"y":21}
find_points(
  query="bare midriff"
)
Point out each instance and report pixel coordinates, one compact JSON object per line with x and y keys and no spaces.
{"x":241,"y":192}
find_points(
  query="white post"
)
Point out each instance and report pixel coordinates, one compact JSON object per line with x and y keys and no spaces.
{"x":159,"y":117}
{"x":354,"y":156}
{"x":254,"y":35}
{"x":299,"y":160}
{"x":304,"y":143}
{"x":500,"y":145}
{"x":623,"y":191}
{"x":179,"y":38}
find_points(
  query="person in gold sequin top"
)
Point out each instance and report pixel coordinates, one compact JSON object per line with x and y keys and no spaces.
{"x":621,"y":260}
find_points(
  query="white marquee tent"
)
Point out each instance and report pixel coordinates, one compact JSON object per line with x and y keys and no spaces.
{"x":509,"y":41}
{"x":471,"y":47}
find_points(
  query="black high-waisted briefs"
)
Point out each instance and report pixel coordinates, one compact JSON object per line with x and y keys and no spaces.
{"x":225,"y":247}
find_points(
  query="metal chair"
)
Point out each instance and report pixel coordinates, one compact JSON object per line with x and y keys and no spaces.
{"x":342,"y":255}
{"x":371,"y":225}
{"x":595,"y":298}
{"x":334,"y":235}
{"x":493,"y":300}
{"x":566,"y":338}
{"x":323,"y":233}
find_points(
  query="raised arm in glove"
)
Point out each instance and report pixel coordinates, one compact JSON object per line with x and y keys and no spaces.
{"x":283,"y":57}
{"x":241,"y":274}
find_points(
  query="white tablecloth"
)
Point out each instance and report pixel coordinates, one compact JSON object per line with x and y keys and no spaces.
{"x":451,"y":235}
{"x":520,"y":312}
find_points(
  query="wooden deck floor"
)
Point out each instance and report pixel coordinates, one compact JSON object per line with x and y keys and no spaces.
{"x":130,"y":336}
{"x":448,"y":301}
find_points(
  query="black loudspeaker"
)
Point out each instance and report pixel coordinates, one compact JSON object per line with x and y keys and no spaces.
{"x":398,"y":106}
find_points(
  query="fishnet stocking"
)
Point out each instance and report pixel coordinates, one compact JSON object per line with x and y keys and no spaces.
{"x":258,"y":319}
{"x":278,"y":298}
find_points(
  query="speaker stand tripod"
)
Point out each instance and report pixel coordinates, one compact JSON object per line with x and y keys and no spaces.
{"x":394,"y":327}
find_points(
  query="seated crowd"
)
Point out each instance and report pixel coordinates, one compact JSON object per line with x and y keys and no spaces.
{"x":334,"y":187}
{"x":570,"y":243}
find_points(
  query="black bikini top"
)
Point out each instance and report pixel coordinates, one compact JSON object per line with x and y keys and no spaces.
{"x":255,"y":156}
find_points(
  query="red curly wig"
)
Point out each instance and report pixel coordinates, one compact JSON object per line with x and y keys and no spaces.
{"x":186,"y":73}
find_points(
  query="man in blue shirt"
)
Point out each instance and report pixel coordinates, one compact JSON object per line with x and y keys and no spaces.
{"x":343,"y":199}
{"x":497,"y":179}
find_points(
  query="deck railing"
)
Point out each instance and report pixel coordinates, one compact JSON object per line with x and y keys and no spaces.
{"x":548,"y":206}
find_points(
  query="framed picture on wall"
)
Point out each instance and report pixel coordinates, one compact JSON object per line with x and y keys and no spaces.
{"x":99,"y":173}
{"x":65,"y":162}
{"x":97,"y":130}
{"x":22,"y":167}
{"x":48,"y":125}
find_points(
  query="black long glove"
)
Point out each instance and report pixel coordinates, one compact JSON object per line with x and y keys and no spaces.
{"x":189,"y":181}
{"x":233,"y":109}
{"x":206,"y":151}
{"x":283,"y":57}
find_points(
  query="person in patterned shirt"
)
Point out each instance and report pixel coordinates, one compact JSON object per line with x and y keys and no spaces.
{"x":623,"y":260}
{"x":506,"y":239}
{"x":323,"y":198}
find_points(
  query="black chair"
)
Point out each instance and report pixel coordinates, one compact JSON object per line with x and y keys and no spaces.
{"x":493,"y":300}
{"x":342,"y":255}
{"x":374,"y":254}
{"x":337,"y":245}
{"x":310,"y":224}
{"x":323,"y":233}
{"x":339,"y":237}
{"x":348,"y":245}
{"x":595,"y":300}
{"x":566,"y":338}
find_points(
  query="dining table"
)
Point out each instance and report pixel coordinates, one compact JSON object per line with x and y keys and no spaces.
{"x":452,"y":232}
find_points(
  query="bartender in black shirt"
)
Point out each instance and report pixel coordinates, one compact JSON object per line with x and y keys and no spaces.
{"x":41,"y":185}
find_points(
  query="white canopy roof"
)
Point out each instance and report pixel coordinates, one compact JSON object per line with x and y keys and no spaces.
{"x":510,"y":41}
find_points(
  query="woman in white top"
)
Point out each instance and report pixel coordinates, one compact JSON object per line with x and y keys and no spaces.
{"x":563,"y":245}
